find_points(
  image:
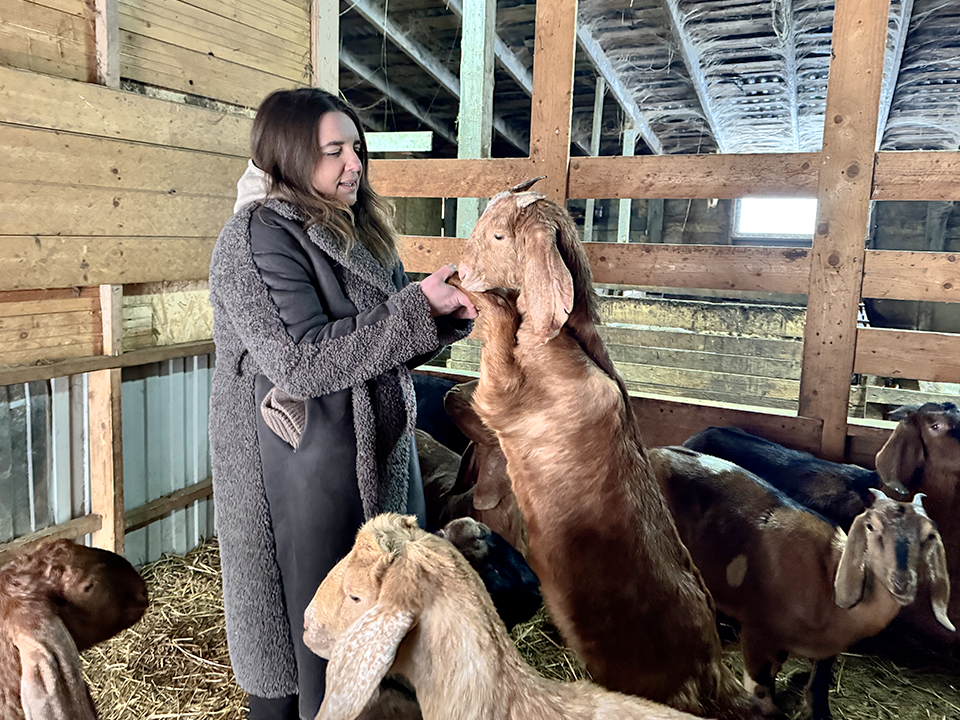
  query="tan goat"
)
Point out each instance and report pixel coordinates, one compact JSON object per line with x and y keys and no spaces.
{"x":797,"y":583}
{"x":56,"y":601}
{"x":615,"y":576}
{"x":404,"y":601}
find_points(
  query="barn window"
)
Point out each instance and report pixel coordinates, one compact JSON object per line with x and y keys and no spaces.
{"x":780,"y":218}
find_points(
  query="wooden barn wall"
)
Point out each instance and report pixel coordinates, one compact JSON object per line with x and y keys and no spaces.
{"x":55,"y":37}
{"x":234,"y":51}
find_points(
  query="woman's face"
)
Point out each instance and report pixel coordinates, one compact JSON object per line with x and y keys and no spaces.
{"x":337,"y":173}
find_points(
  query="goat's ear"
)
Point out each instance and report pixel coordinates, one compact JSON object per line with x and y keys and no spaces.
{"x":939,"y":579}
{"x":51,"y":683}
{"x":361,"y":659}
{"x":848,"y":584}
{"x":364,"y":653}
{"x":901,"y":456}
{"x":547,"y":296}
{"x":528,"y":198}
{"x":526,"y":184}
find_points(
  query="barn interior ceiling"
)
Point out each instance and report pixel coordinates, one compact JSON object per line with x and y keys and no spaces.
{"x":705,"y":76}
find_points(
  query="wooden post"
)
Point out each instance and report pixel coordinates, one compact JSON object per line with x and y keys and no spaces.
{"x":106,"y":439}
{"x":843,"y":193}
{"x":626,"y":205}
{"x":594,"y":151}
{"x":325,"y":45}
{"x":107,"y":41}
{"x":552,"y":105}
{"x":475,"y":119}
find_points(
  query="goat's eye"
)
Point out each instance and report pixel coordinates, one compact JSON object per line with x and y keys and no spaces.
{"x":935,"y":427}
{"x":355,"y":598}
{"x":869,"y":527}
{"x":931,"y":536}
{"x":498,"y":236}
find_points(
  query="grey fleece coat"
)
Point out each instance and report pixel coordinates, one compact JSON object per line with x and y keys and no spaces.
{"x":362,"y":357}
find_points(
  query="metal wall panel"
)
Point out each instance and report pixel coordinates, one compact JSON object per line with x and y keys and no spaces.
{"x":44,"y":452}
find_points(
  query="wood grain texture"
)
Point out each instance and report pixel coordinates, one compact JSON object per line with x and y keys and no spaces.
{"x":908,"y":354}
{"x":57,"y":104}
{"x":551,"y":106}
{"x":897,"y":275}
{"x":448,"y":177}
{"x":843,"y":193}
{"x":924,"y":175}
{"x":143,"y":515}
{"x":695,"y":176}
{"x":70,"y":530}
{"x":106,"y":457}
{"x":46,"y":261}
{"x":56,"y":38}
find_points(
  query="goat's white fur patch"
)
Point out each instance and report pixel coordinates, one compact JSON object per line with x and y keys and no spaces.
{"x":737,"y":571}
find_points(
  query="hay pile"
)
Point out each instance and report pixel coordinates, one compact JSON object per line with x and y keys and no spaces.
{"x":174,"y":663}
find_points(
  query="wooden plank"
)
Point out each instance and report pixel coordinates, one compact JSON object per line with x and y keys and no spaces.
{"x":47,"y":102}
{"x":24,"y":328}
{"x":159,"y":63}
{"x":41,"y":209}
{"x":74,"y":366}
{"x":272,"y":18}
{"x":324,"y":43}
{"x":51,"y":349}
{"x":879,"y":395}
{"x":43,"y":39}
{"x":161,"y":507}
{"x":666,"y":421}
{"x":843,"y":193}
{"x":107,"y":40}
{"x":106,"y":434}
{"x":71,"y":530}
{"x":185,"y":26}
{"x":782,"y":270}
{"x":694,"y":176}
{"x":43,"y":261}
{"x":57,"y":158}
{"x":448,"y":177}
{"x":551,"y":106}
{"x":908,"y":354}
{"x":13,"y":306}
{"x":927,"y":175}
{"x":475,"y":112}
{"x":896,"y":275}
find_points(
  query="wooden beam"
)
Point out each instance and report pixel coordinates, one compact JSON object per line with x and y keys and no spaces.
{"x":595,"y":128}
{"x":901,"y":275}
{"x":107,"y":38}
{"x":891,"y":70}
{"x":325,"y":44}
{"x":908,"y":354}
{"x":69,"y":530}
{"x":624,"y":97}
{"x":719,"y":267}
{"x":374,"y":77}
{"x":445,"y":177}
{"x":843,"y":193}
{"x":695,"y":176}
{"x":552,"y":107}
{"x":75,"y":366}
{"x":145,"y":514}
{"x":475,"y":114}
{"x":926,"y":175}
{"x":376,"y":15}
{"x":626,"y":204}
{"x":691,"y":60}
{"x":105,"y":430}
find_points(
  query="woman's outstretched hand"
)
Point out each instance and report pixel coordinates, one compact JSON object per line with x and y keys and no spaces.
{"x":445,"y":299}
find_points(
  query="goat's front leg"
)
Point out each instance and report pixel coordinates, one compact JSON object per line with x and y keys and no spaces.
{"x":500,"y":373}
{"x":760,"y":668}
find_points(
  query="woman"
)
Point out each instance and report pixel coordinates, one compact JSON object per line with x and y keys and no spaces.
{"x":312,"y":408}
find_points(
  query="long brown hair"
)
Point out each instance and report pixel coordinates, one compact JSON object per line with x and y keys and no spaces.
{"x":285,"y":144}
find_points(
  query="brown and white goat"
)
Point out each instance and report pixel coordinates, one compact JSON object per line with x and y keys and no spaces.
{"x":797,"y":583}
{"x":615,"y":577}
{"x":55,"y":602}
{"x":407,"y":602}
{"x":923,"y":455}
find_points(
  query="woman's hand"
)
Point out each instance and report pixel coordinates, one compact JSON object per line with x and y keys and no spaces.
{"x":445,"y":299}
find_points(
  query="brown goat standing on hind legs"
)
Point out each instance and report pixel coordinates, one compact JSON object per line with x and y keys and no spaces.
{"x":616,"y":579}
